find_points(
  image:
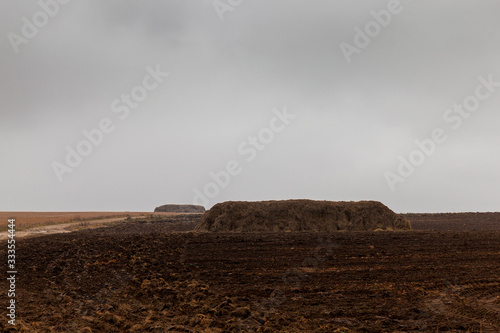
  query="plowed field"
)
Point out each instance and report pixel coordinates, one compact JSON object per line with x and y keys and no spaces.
{"x":157,"y":276}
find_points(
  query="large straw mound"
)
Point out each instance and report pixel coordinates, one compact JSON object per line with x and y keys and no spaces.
{"x":180,"y":209}
{"x":300,"y":215}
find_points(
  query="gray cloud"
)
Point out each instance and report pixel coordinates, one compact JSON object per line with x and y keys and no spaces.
{"x":225,"y":78}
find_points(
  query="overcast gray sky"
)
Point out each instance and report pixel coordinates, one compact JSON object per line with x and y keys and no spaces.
{"x":351,"y":104}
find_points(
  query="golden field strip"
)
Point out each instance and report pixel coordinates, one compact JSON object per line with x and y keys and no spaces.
{"x":25,"y":220}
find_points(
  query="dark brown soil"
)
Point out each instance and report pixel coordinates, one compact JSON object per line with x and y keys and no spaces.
{"x":455,"y":221}
{"x":142,"y":277}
